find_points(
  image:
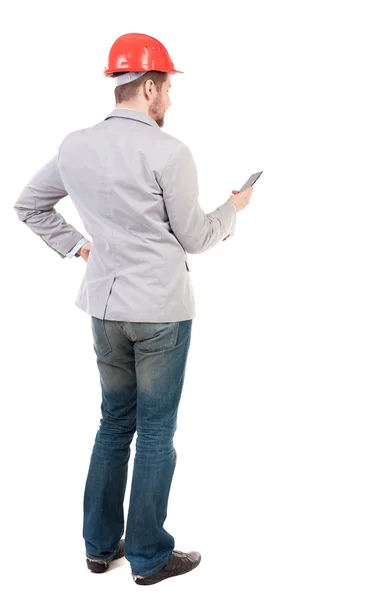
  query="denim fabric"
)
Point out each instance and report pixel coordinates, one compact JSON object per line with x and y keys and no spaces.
{"x":142,"y":370}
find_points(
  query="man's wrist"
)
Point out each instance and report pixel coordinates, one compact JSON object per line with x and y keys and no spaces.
{"x":234,"y":204}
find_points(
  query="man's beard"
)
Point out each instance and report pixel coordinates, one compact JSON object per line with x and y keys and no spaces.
{"x":160,"y":122}
{"x":156,"y":111}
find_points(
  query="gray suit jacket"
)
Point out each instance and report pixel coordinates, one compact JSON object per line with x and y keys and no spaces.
{"x":136,"y":191}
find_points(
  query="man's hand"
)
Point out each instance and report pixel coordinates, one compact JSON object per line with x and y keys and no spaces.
{"x":241,"y":199}
{"x":84,"y":251}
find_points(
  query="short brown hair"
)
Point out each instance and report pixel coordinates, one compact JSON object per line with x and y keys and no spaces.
{"x":128,"y":91}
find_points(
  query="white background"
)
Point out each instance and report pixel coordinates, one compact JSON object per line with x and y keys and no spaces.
{"x":269,"y":484}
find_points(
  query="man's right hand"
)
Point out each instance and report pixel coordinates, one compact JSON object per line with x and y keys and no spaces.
{"x":241,"y":199}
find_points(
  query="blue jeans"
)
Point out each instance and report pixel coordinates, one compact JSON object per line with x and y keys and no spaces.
{"x":142,"y":370}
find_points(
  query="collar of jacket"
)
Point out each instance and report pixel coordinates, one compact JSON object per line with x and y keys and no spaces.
{"x":135,"y":115}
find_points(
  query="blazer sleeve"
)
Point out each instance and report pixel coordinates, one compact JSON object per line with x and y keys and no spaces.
{"x":195,"y":230}
{"x":35,"y":207}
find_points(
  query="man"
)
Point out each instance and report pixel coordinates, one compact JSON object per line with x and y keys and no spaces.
{"x":135,"y":188}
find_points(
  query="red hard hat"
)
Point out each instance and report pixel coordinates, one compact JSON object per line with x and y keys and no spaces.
{"x":138,"y":52}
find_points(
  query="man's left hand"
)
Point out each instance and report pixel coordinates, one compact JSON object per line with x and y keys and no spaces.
{"x":84,"y":251}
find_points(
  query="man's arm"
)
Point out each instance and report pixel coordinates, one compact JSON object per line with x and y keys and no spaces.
{"x":74,"y":251}
{"x":195,"y":230}
{"x":35,"y":207}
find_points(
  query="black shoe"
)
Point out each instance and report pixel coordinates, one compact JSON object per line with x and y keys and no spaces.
{"x":179,"y":563}
{"x":102,"y":566}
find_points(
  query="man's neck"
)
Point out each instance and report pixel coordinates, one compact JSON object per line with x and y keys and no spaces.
{"x":131,"y":107}
{"x":125,"y":107}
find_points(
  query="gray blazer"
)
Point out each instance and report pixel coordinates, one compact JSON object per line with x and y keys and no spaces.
{"x":136,"y":190}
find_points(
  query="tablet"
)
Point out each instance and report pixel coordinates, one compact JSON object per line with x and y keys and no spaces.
{"x":251,"y":180}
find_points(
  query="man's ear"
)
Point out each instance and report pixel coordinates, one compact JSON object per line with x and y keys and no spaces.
{"x":148,"y":88}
